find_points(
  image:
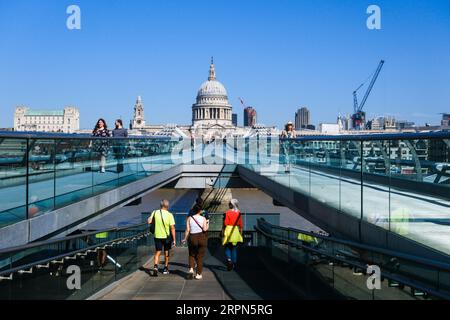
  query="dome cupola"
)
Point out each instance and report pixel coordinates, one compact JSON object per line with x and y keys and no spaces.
{"x":212,"y":104}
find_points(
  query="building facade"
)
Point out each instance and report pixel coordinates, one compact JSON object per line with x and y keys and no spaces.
{"x":64,"y":121}
{"x":212,"y":107}
{"x":302,"y":119}
{"x":250,"y":115}
{"x":329,"y":128}
{"x":212,"y":117}
{"x":138,"y":121}
{"x":445,"y":120}
{"x":234,"y":120}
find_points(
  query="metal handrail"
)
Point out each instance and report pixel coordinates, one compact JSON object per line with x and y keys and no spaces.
{"x":349,"y":137}
{"x":435,"y":264}
{"x":75,"y":252}
{"x":54,"y":241}
{"x":376,"y":136}
{"x":388,"y":275}
{"x":78,"y":136}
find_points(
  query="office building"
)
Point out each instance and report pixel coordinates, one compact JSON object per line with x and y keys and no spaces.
{"x":234,"y":119}
{"x":249,"y":117}
{"x":302,"y":118}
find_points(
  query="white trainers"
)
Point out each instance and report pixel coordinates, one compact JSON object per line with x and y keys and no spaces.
{"x":198,"y":277}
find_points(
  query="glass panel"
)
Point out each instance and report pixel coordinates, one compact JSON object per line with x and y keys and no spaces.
{"x":13,"y":169}
{"x":100,"y":259}
{"x":300,"y":170}
{"x":350,"y":189}
{"x":41,"y":170}
{"x":376,"y":182}
{"x":73,"y":176}
{"x":325,"y":172}
{"x":419,"y":192}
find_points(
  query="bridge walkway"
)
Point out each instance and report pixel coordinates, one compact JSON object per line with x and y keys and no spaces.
{"x":251,"y":281}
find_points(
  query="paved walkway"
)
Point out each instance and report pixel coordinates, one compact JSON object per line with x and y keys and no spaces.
{"x":251,"y":282}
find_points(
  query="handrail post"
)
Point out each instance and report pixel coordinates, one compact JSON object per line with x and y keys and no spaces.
{"x":54,"y":174}
{"x":362,"y":187}
{"x":27,"y":179}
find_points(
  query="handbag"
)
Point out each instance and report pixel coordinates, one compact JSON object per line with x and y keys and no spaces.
{"x":152,"y":227}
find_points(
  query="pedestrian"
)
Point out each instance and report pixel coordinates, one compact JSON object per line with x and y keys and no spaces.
{"x":196,"y":228}
{"x":33,"y":208}
{"x":232,"y":233}
{"x":199,"y":202}
{"x":287,"y":134}
{"x":120,"y":144}
{"x":164,"y":234}
{"x":101,"y":145}
{"x":101,"y":252}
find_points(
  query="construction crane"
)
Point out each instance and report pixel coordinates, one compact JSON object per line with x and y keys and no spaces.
{"x":359,"y":116}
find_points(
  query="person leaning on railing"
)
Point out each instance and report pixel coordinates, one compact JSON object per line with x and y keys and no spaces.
{"x":101,"y":252}
{"x":287,"y":133}
{"x":119,"y":145}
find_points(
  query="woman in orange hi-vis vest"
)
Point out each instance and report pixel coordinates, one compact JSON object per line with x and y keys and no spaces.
{"x":232,"y":233}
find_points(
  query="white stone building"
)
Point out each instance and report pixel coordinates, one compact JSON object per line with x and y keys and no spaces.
{"x":138,"y":121}
{"x":212,"y":113}
{"x":64,"y":121}
{"x":329,"y":128}
{"x":211,"y":117}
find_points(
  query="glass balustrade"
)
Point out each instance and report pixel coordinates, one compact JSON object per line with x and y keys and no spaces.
{"x":397,"y":182}
{"x":343,"y":265}
{"x":38,"y":175}
{"x":44,"y":270}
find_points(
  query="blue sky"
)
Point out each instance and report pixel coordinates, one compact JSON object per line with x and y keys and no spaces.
{"x":278,"y":55}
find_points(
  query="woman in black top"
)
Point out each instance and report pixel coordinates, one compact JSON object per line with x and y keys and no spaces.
{"x":100,"y":145}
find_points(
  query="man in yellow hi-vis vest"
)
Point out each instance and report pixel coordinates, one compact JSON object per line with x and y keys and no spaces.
{"x":400,"y":221}
{"x":307,"y":239}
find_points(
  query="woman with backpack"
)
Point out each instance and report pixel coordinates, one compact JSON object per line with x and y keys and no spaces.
{"x":196,"y":228}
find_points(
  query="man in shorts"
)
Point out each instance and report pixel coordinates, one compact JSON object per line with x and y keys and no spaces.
{"x":164,"y":235}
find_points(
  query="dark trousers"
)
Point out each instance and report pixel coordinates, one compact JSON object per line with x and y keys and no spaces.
{"x":197,"y":248}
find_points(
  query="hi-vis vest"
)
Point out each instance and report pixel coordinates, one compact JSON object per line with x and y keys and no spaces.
{"x":101,"y":235}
